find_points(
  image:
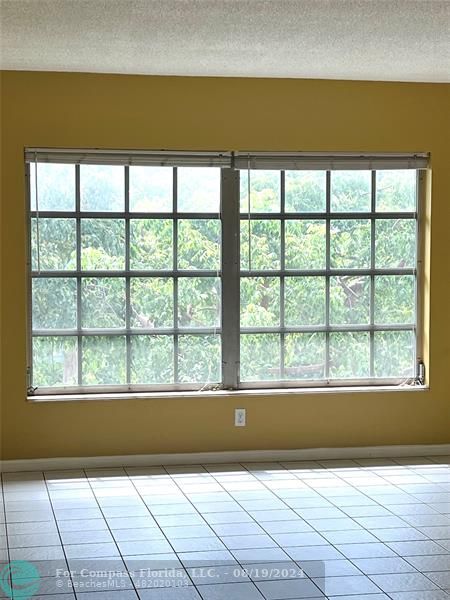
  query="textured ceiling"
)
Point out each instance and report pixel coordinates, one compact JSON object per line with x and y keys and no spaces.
{"x":402,"y":40}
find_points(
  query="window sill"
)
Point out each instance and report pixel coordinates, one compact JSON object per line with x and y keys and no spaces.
{"x":37,"y":399}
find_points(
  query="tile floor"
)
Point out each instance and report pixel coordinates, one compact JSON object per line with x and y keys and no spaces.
{"x":369,"y":529}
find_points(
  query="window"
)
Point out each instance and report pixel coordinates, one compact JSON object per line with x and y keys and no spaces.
{"x":217,"y":270}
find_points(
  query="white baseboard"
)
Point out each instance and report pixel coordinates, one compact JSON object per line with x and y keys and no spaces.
{"x":139,"y":460}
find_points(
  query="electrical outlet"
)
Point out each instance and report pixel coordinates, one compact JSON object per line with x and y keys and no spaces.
{"x":240,"y":417}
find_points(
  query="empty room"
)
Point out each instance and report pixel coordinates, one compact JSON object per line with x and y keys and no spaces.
{"x":225,"y":275}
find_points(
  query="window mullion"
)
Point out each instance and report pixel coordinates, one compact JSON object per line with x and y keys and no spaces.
{"x":127,"y":278}
{"x":327,"y":278}
{"x":372,"y":276}
{"x":78,"y":260}
{"x":230,"y":277}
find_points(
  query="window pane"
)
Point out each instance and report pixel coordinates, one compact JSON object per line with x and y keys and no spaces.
{"x":56,"y":186}
{"x":102,"y":244}
{"x":394,"y":299}
{"x":102,"y":187}
{"x":54,"y":361}
{"x":305,"y":191}
{"x":199,"y":302}
{"x":350,"y":244}
{"x":151,"y":189}
{"x":394,"y":353}
{"x":260,"y":301}
{"x":349,"y":355}
{"x":199,"y":244}
{"x":199,"y":358}
{"x":351,"y":191}
{"x":305,"y":245}
{"x":151,"y":359}
{"x":304,"y":301}
{"x":395,"y":243}
{"x":304,"y":356}
{"x":265,"y":246}
{"x":350,"y":300}
{"x":54,"y":303}
{"x":151,"y":244}
{"x":151,"y":302}
{"x":265,"y":189}
{"x":103,"y":302}
{"x":104,"y":360}
{"x":396,"y":190}
{"x":260,"y":357}
{"x":198,"y":189}
{"x":57,"y":244}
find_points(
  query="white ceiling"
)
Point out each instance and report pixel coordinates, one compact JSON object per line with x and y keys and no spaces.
{"x":401,"y":40}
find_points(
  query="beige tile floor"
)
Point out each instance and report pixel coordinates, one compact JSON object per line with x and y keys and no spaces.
{"x":369,"y":529}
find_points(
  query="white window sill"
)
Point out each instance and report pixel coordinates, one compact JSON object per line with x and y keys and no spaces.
{"x":40,"y":399}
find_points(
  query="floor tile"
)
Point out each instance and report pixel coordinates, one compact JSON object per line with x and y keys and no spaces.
{"x":350,"y":585}
{"x":132,"y":548}
{"x":377,"y":566}
{"x":283,"y":590}
{"x":403,"y":582}
{"x":91,"y":550}
{"x":228,"y":591}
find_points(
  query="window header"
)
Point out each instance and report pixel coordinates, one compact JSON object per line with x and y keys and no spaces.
{"x":240,"y":160}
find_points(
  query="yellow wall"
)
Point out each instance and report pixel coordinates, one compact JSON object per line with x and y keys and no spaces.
{"x":85,"y":110}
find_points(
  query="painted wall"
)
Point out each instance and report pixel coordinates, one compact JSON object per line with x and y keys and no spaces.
{"x":85,"y":110}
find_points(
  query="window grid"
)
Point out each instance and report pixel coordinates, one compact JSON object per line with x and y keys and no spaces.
{"x":372,"y":272}
{"x":127,"y":273}
{"x":128,"y":331}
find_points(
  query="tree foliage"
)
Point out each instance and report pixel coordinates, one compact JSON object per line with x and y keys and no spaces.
{"x":186,"y":303}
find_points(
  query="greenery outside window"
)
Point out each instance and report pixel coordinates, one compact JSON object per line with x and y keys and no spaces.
{"x":166,"y":271}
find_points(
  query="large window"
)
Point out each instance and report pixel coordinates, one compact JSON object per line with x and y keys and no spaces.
{"x":209,"y":271}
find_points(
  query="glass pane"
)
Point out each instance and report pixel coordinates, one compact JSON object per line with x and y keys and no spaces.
{"x":151,"y":189}
{"x":199,"y":244}
{"x":394,"y":353}
{"x":151,"y":244}
{"x":305,"y":191}
{"x":199,"y":358}
{"x":199,"y":189}
{"x":265,"y":189}
{"x":102,"y":244}
{"x":305,"y":245}
{"x":102,"y":187}
{"x":265,"y":246}
{"x":57,"y":245}
{"x":396,"y":190}
{"x":304,"y":301}
{"x":56,"y":186}
{"x":350,"y":300}
{"x":151,"y":359}
{"x":260,"y":357}
{"x":395,"y":243}
{"x":350,"y":244}
{"x":349,"y":355}
{"x":260,"y":301}
{"x":104,"y":360}
{"x":54,"y":303}
{"x":151,"y":302}
{"x":199,"y":302}
{"x":54,"y":361}
{"x":304,"y":356}
{"x":394,"y":299}
{"x":103,"y":302}
{"x":351,"y":191}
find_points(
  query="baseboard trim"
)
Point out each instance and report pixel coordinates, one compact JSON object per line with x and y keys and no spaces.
{"x":139,"y":460}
